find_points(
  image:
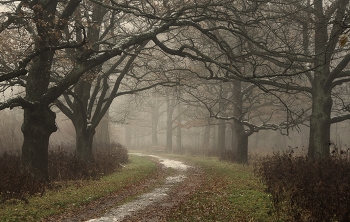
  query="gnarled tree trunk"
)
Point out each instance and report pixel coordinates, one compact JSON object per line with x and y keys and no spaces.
{"x":38,"y":125}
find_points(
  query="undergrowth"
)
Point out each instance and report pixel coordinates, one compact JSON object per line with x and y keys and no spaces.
{"x":305,"y":189}
{"x":75,"y":194}
{"x":63,"y":165}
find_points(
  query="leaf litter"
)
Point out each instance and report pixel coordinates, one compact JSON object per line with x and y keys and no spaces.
{"x":154,"y":205}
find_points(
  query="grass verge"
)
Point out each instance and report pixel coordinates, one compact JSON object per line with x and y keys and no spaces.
{"x":76,"y":193}
{"x":230,"y":192}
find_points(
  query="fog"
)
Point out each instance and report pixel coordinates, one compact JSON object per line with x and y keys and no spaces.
{"x":131,"y":125}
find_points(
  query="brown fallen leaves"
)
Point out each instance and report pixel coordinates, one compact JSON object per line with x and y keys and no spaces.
{"x":178,"y":196}
{"x":98,"y":207}
{"x":159,"y":212}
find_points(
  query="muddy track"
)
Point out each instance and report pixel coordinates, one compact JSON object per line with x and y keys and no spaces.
{"x":156,"y":210}
{"x":179,"y":194}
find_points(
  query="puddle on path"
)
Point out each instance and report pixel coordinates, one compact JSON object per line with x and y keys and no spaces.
{"x":149,"y":198}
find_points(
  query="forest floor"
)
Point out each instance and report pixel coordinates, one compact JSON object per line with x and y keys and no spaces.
{"x":152,"y":200}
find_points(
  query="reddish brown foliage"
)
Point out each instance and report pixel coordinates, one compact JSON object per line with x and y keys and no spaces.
{"x":305,"y":189}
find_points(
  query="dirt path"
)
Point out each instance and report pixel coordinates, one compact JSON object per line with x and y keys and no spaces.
{"x":153,"y":204}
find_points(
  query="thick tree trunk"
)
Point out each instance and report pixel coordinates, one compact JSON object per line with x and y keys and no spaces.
{"x":242,"y":151}
{"x":242,"y":144}
{"x":38,"y":125}
{"x":239,"y":143}
{"x":320,"y":123}
{"x":320,"y":120}
{"x":84,"y":140}
{"x":239,"y":134}
{"x":39,"y":120}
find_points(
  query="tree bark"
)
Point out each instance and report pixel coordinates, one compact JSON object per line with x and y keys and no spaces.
{"x":320,"y":123}
{"x":221,"y":136}
{"x":239,"y":135}
{"x":38,"y":125}
{"x":241,"y":143}
{"x":102,"y":135}
{"x":169,"y":124}
{"x":84,"y":140}
{"x":39,"y":120}
{"x":320,"y":120}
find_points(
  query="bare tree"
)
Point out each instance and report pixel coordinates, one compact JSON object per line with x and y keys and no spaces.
{"x":45,"y":26}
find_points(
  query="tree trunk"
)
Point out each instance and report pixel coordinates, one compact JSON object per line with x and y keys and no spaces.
{"x":179,"y":136}
{"x":169,"y":125}
{"x":215,"y":136}
{"x":240,"y":137}
{"x":320,"y":123}
{"x":102,"y":136}
{"x":169,"y":135}
{"x":38,"y":125}
{"x":206,"y":137}
{"x":242,"y":151}
{"x":84,"y":139}
{"x":221,"y":136}
{"x":179,"y":129}
{"x":155,"y":121}
{"x":234,"y":137}
{"x":320,"y":120}
{"x":39,"y":120}
{"x":241,"y":143}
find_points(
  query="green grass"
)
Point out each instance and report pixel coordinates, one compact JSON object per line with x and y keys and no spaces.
{"x":76,"y":193}
{"x":230,"y":192}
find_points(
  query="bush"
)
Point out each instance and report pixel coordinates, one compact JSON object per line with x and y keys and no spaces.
{"x":305,"y":189}
{"x":14,"y":183}
{"x":63,"y":165}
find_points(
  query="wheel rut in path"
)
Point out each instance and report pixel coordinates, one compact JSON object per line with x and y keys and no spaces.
{"x":157,"y":203}
{"x":154,"y":205}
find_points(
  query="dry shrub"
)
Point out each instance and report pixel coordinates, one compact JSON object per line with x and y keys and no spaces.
{"x":307,"y":190}
{"x":14,"y":183}
{"x":63,"y":165}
